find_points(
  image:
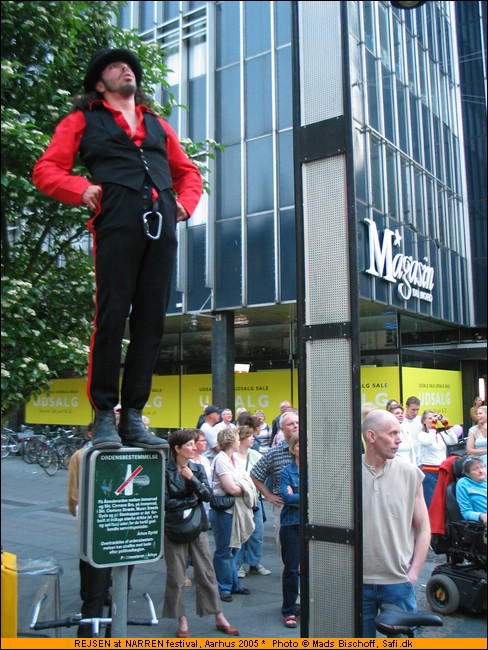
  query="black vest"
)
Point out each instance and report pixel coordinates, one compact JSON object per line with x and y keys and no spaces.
{"x":112,"y":157}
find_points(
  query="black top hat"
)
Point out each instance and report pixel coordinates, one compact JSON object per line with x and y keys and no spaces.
{"x":102,"y":58}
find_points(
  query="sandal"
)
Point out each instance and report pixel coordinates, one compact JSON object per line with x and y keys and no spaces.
{"x":290,"y":621}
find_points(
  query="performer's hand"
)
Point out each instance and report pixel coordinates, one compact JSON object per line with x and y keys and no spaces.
{"x":181,"y":213}
{"x":91,"y":196}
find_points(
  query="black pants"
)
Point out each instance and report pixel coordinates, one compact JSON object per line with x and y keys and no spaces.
{"x":133,"y":276}
{"x":94,"y":588}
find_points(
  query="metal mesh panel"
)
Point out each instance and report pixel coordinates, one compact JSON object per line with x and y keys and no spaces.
{"x":320,"y":61}
{"x":328,"y":386}
{"x":326,"y":241}
{"x":331,"y":577}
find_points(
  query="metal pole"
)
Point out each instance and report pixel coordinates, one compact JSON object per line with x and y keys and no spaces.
{"x":119,"y":602}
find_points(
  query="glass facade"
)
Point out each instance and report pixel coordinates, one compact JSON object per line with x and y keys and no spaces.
{"x":232,"y":66}
{"x":409,"y":161}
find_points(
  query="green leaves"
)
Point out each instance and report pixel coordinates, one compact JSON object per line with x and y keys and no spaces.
{"x":47,"y":274}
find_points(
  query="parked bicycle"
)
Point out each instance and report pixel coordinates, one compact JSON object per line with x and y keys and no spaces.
{"x":32,"y":447}
{"x":14,"y":442}
{"x":10,"y":443}
{"x":48,"y":457}
{"x":56,"y":449}
{"x":67,"y":445}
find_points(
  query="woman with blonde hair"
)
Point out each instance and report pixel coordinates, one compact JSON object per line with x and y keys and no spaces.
{"x":248,"y":557}
{"x":228,"y":479}
{"x":476,"y":445}
{"x":433,"y":450}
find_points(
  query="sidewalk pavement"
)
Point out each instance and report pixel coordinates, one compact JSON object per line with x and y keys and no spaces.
{"x":36,"y":524}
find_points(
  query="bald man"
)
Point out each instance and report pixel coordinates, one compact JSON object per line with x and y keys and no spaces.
{"x":396,"y":528}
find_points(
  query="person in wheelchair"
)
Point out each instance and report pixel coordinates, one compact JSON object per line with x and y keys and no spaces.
{"x":458,"y":525}
{"x":471,"y":490}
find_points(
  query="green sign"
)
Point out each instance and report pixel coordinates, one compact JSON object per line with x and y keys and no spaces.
{"x":121,"y":506}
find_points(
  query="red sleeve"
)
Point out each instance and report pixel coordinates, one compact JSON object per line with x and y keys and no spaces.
{"x":53,"y":171}
{"x":187,"y":180}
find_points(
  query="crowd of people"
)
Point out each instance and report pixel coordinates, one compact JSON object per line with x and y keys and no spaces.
{"x":230,"y":467}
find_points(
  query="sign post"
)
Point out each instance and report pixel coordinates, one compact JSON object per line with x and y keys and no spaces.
{"x":121,"y":515}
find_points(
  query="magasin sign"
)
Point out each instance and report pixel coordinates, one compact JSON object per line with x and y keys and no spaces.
{"x":413,"y":279}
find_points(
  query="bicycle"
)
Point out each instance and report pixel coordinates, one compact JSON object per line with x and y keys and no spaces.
{"x":14,"y":442}
{"x":36,"y":446}
{"x":395,"y":622}
{"x":10,"y":443}
{"x":96,"y":623}
{"x":67,"y":445}
{"x":32,"y":447}
{"x":48,"y":458}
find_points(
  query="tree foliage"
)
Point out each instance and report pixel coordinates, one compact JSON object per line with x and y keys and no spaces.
{"x":47,"y":275}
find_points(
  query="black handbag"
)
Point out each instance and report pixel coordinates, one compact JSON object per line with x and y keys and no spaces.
{"x":222,"y":503}
{"x":180,"y":529}
{"x":457,"y":449}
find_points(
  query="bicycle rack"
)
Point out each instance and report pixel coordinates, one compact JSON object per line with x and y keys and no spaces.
{"x":96,"y":623}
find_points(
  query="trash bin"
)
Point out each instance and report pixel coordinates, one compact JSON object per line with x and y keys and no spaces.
{"x":38,"y":581}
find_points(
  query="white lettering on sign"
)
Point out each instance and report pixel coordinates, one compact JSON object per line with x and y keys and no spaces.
{"x":414,"y":279}
{"x":56,"y":402}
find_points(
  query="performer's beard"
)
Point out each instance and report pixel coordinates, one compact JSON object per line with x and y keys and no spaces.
{"x":124,"y":88}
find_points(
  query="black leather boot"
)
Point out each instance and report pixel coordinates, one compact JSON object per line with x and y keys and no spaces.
{"x":105,"y":435}
{"x":134,"y":433}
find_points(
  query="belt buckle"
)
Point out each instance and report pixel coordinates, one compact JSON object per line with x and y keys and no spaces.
{"x":146,"y":226}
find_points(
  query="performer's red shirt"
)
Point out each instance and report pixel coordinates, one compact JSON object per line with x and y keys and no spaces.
{"x":53,"y":171}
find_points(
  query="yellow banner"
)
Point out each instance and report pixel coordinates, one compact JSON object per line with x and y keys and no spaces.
{"x":178,"y":401}
{"x":237,"y":643}
{"x":174,"y":401}
{"x":65,"y":404}
{"x":378,"y":385}
{"x":265,"y":391}
{"x":163,"y":406}
{"x":255,"y":390}
{"x":196,"y":392}
{"x":440,"y":390}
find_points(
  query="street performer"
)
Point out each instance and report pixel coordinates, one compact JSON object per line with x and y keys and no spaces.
{"x":141,"y":184}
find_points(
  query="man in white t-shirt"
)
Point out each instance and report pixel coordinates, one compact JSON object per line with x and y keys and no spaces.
{"x":412,"y":422}
{"x":212,"y":416}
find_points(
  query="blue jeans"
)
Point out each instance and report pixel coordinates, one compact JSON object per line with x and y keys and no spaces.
{"x":430,"y":481}
{"x":224,"y":556}
{"x":401,"y":595}
{"x":252,"y":550}
{"x":290,"y":554}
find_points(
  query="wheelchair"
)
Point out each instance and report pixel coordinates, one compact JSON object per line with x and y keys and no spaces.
{"x":461,"y":581}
